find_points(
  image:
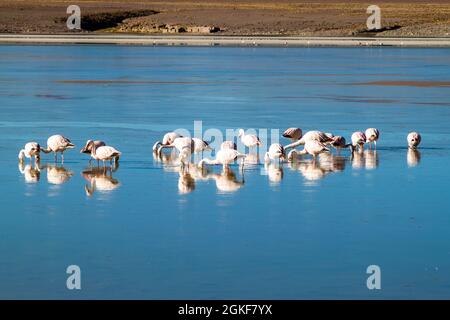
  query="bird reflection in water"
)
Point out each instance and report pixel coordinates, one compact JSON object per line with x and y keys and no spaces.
{"x":100,"y":179}
{"x":316,"y":169}
{"x":30,"y":172}
{"x":274,"y":172}
{"x":365,"y":160}
{"x":57,"y":174}
{"x":413,"y":157}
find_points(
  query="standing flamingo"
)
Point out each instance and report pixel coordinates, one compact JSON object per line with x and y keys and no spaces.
{"x":168,"y":139}
{"x":372,"y":136}
{"x":312,"y":147}
{"x":103,"y":153}
{"x":276,"y":151}
{"x":227,"y":144}
{"x":185,"y":147}
{"x":30,"y":150}
{"x":249,"y":140}
{"x":293,"y":134}
{"x":224,"y":157}
{"x":358,"y":139}
{"x":88,"y":149}
{"x":314,"y":135}
{"x":339,"y":143}
{"x":200,"y":145}
{"x":58,"y":143}
{"x":414,"y":139}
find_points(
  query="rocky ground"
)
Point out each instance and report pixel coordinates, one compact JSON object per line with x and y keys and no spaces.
{"x":400,"y":18}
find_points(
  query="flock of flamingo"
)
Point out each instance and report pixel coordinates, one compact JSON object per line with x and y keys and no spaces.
{"x":314,"y":143}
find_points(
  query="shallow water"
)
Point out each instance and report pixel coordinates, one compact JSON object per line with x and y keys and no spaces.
{"x":307,"y":231}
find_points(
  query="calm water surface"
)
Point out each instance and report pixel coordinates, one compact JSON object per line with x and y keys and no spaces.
{"x":308,"y":230}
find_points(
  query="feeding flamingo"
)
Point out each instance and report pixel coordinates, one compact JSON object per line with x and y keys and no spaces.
{"x":358,"y":139}
{"x":58,"y":143}
{"x":168,"y":139}
{"x":314,"y":135}
{"x":276,"y":151}
{"x":30,"y":150}
{"x":414,"y":139}
{"x":293,"y":134}
{"x":249,"y":140}
{"x":372,"y":136}
{"x":103,"y":153}
{"x":224,"y":157}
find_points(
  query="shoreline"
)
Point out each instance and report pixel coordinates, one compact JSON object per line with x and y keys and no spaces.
{"x":242,"y":41}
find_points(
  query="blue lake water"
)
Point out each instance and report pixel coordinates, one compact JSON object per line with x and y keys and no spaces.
{"x":307,"y":231}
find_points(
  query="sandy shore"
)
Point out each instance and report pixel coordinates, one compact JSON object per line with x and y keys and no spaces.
{"x":324,"y":18}
{"x":222,"y":40}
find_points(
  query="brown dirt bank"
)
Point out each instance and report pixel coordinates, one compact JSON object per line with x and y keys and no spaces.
{"x":249,"y":17}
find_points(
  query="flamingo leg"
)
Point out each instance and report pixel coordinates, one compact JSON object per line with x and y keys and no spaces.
{"x":56,"y":157}
{"x":62,"y":157}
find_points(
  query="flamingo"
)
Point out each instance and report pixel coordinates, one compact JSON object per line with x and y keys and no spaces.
{"x":314,"y":135}
{"x":224,"y":157}
{"x":358,"y":139}
{"x":87,"y":147}
{"x":276,"y":151}
{"x":30,"y":150}
{"x":168,"y":139}
{"x":248,"y":140}
{"x":372,"y":136}
{"x":312,"y":147}
{"x":58,"y":143}
{"x":227,"y":144}
{"x":185,"y":147}
{"x":103,"y":153}
{"x":200,"y":145}
{"x":414,"y":139}
{"x":293,"y":134}
{"x":339,"y":142}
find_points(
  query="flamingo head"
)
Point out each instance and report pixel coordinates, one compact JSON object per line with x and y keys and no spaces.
{"x":86,"y":148}
{"x":241,"y":132}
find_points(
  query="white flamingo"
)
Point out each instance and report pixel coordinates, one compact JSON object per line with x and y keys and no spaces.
{"x":248,"y":140}
{"x":30,"y":150}
{"x":314,"y":135}
{"x":58,"y":143}
{"x":414,"y":139}
{"x":276,"y":151}
{"x":88,"y":149}
{"x":372,"y":136}
{"x":227,"y":144}
{"x":223,"y":157}
{"x":185,"y":147}
{"x":312,"y":147}
{"x":293,"y":134}
{"x":168,"y":139}
{"x":104,"y":153}
{"x":358,"y":140}
{"x":200,"y":145}
{"x":339,"y":142}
